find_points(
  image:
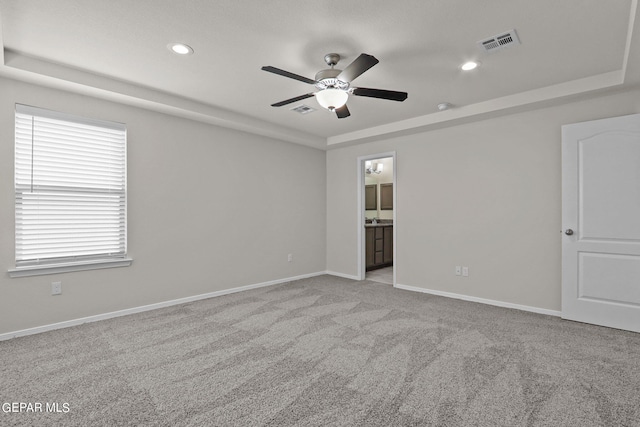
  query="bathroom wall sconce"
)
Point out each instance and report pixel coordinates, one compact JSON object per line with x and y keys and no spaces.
{"x":371,"y":167}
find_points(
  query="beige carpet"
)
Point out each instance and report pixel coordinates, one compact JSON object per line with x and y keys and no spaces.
{"x":325,"y":351}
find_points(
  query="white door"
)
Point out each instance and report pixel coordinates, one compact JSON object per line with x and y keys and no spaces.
{"x":601,"y":222}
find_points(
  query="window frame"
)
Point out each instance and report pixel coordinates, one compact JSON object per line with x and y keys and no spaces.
{"x":76,"y":262}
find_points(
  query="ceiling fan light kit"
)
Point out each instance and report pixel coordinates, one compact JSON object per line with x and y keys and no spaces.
{"x":334,"y":86}
{"x":332,"y":98}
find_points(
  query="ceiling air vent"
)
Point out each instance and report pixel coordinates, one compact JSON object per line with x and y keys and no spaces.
{"x":499,"y":42}
{"x":303,"y":109}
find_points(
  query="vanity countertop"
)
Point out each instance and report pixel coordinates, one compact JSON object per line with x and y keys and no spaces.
{"x":379,"y":224}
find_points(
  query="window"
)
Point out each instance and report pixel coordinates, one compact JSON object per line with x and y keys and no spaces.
{"x":70,"y":189}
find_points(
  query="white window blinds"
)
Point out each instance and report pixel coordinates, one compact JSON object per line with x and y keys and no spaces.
{"x":70,"y":187}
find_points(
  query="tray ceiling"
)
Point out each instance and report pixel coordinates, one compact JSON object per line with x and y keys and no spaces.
{"x":117,"y":49}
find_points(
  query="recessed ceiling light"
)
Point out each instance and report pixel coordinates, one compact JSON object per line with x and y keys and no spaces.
{"x":468,"y":66}
{"x":180,"y":48}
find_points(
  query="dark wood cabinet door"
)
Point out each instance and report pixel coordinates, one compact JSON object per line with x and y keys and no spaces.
{"x":378,"y":247}
{"x":371,"y":197}
{"x":388,"y":245}
{"x":370,"y":247}
{"x":386,"y":196}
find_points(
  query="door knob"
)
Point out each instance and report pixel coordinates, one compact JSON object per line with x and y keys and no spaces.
{"x":568,"y":232}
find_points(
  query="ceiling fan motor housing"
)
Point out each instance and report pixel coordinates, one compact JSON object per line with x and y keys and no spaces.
{"x":326,"y":79}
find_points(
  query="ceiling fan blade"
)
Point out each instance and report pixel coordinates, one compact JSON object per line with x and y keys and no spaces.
{"x":381,"y":93}
{"x":361,"y":64}
{"x":289,"y":101}
{"x":343,"y":112}
{"x":284,"y":73}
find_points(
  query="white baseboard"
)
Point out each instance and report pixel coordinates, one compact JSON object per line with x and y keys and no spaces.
{"x":140,"y":309}
{"x":104,"y":316}
{"x":481,"y":300}
{"x":346,"y":276}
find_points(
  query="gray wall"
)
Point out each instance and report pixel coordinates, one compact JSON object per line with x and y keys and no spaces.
{"x":209,"y":209}
{"x":212,"y":209}
{"x":486,"y":195}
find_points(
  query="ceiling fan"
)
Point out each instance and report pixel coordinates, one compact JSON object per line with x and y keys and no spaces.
{"x":334,"y":86}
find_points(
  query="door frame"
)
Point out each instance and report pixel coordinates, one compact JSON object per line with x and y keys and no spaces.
{"x":360,"y":191}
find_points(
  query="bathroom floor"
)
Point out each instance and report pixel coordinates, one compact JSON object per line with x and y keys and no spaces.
{"x":381,"y":275}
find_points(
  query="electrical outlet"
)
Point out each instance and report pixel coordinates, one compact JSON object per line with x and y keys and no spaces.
{"x":458,"y":270}
{"x":56,"y":288}
{"x":290,"y":257}
{"x":465,"y":271}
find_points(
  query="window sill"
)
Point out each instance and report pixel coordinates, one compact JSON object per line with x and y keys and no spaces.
{"x":40,"y":270}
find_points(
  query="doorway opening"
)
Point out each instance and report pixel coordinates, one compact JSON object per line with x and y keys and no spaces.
{"x":377,"y":211}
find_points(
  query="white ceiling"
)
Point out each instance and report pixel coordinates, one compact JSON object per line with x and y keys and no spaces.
{"x":116,"y":49}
